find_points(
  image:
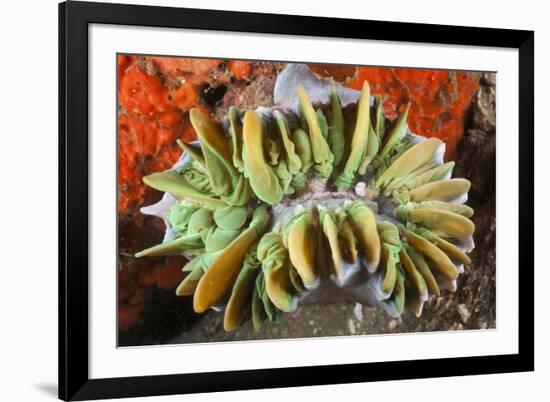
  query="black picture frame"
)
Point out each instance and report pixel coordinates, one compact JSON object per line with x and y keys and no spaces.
{"x":74,"y":19}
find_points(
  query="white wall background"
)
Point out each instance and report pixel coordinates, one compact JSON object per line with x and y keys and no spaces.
{"x":28,"y":201}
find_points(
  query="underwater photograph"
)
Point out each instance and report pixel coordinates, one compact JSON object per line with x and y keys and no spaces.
{"x":272,"y":200}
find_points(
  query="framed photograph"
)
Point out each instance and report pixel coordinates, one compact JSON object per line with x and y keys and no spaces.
{"x":256,"y":201}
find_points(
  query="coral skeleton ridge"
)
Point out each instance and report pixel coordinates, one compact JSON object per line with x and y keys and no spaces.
{"x":279,"y":208}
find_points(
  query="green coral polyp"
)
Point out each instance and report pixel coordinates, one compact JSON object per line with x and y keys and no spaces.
{"x":280,"y":210}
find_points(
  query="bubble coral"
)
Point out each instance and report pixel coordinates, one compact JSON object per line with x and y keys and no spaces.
{"x":319,"y":199}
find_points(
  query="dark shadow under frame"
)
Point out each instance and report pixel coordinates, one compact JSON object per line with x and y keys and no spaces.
{"x":74,"y":18}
